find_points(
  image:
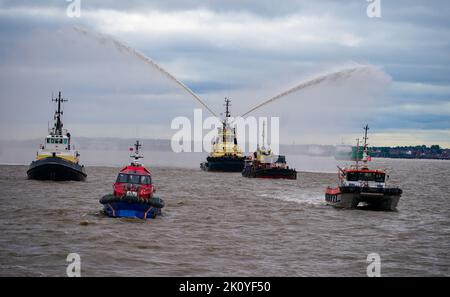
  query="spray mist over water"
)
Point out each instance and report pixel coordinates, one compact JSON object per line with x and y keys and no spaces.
{"x":344,"y":85}
{"x":340,"y":75}
{"x":123,"y":47}
{"x":329,"y":77}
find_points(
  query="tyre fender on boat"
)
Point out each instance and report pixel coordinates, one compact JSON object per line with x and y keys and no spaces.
{"x":155,"y":201}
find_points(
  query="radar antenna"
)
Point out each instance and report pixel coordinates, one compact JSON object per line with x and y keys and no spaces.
{"x":366,"y":128}
{"x":227,"y":107}
{"x":58,"y":113}
{"x":136,"y":156}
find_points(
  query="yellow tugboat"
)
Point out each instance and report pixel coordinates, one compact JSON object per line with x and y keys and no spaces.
{"x":57,"y":158}
{"x":226,"y":156}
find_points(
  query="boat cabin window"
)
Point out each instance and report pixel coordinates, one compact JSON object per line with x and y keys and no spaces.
{"x":122,"y":178}
{"x":366,"y":176}
{"x":145,"y":180}
{"x":56,"y":140}
{"x":134,"y":179}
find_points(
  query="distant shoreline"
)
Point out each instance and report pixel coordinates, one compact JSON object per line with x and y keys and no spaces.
{"x":191,"y":167}
{"x":83,"y":144}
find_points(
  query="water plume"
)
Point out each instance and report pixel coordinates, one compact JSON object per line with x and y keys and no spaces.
{"x":329,"y":77}
{"x":122,"y":47}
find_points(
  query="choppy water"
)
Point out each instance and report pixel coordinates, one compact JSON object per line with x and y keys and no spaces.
{"x":219,"y":224}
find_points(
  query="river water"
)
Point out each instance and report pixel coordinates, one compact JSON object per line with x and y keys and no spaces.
{"x":221,"y":224}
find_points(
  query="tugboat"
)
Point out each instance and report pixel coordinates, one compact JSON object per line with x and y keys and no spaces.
{"x":359,"y":184}
{"x":264,"y":164}
{"x":226,"y":155}
{"x":57,"y":158}
{"x":133,"y":192}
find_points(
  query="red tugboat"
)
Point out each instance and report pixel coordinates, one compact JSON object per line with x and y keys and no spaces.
{"x":359,"y":184}
{"x":133,"y":192}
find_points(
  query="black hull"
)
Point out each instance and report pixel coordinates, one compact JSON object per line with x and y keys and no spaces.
{"x":371,"y":198}
{"x":275,"y":173}
{"x":224,"y":164}
{"x":57,"y":169}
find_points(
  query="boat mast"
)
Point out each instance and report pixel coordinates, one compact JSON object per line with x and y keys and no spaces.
{"x":366,"y":128}
{"x":357,"y":152}
{"x":225,"y":121}
{"x":58,"y":113}
{"x":137,"y":146}
{"x":227,"y":107}
{"x":136,"y":155}
{"x":263,"y":135}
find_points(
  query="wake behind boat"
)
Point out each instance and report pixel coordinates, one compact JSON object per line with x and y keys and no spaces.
{"x":360,"y":185}
{"x":57,"y":158}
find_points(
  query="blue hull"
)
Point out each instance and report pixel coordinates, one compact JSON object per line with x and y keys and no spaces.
{"x":131,"y":210}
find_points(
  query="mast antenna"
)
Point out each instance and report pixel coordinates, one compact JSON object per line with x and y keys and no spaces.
{"x":366,"y":128}
{"x":263,"y":135}
{"x":137,"y":146}
{"x":227,"y":107}
{"x":58,"y":113}
{"x":136,"y":154}
{"x":357,"y":152}
{"x":225,"y":122}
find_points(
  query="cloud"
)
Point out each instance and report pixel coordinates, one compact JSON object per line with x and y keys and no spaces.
{"x":240,"y":48}
{"x":421,"y":89}
{"x":229,"y":29}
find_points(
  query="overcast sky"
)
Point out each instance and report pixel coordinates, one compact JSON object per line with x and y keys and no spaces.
{"x":248,"y":50}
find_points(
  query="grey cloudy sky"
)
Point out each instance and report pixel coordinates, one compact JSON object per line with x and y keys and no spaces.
{"x":249,"y":50}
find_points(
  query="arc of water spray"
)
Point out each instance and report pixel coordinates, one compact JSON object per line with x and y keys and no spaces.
{"x":309,"y":83}
{"x":121,"y":46}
